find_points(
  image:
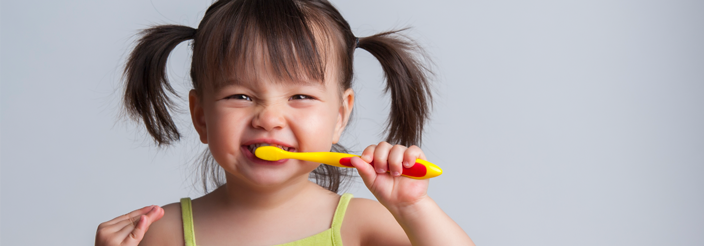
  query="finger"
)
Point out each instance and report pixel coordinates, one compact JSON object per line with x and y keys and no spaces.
{"x":145,"y":221}
{"x":381,"y":153}
{"x":155,"y":214}
{"x":410,"y":156}
{"x":395,"y":160}
{"x":119,"y":226}
{"x":117,"y":229}
{"x":122,"y":234}
{"x":136,"y":230}
{"x":135,"y":213}
{"x":368,"y":153}
{"x":365,"y":170}
{"x":137,"y":233}
{"x":107,"y":235}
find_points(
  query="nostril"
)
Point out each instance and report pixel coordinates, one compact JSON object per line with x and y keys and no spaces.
{"x":269,"y":118}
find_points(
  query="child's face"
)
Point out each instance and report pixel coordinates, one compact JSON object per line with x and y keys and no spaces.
{"x":305,"y":117}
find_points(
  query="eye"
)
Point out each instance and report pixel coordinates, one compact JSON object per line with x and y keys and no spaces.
{"x":301,"y":97}
{"x":239,"y":97}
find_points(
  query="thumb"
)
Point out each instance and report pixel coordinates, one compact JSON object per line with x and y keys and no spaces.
{"x":366,"y":170}
{"x":155,"y":214}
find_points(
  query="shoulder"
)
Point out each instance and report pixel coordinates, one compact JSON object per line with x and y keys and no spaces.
{"x":371,"y":223}
{"x":168,"y":230}
{"x":366,"y":207}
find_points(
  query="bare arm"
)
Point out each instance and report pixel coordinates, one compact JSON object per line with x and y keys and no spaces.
{"x":426,"y":224}
{"x":407,"y":200}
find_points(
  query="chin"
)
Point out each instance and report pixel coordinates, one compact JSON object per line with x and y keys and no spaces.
{"x":271,"y":178}
{"x":268,"y":175}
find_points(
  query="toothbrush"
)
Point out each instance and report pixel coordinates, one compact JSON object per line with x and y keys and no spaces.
{"x":421,"y":170}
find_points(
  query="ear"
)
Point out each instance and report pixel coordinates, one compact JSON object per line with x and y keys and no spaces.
{"x":198,"y":116}
{"x":344,"y":114}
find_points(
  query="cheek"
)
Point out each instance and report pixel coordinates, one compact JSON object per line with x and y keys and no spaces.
{"x":225,"y":129}
{"x":314,"y":129}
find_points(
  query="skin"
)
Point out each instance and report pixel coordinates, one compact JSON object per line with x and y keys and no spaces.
{"x":272,"y":204}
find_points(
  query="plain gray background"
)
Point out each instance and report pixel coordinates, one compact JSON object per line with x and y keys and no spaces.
{"x":556,"y":122}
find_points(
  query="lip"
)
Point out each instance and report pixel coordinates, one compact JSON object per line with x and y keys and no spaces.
{"x":255,"y":159}
{"x":267,"y":141}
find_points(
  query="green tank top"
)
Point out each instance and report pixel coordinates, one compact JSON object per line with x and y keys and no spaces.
{"x":330,"y":236}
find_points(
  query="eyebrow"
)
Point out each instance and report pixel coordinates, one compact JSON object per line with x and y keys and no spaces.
{"x":240,"y":81}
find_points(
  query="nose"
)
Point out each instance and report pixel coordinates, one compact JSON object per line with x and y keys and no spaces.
{"x":269,"y":117}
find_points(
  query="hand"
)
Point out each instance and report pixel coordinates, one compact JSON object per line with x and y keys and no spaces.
{"x":128,"y":229}
{"x":384,"y":179}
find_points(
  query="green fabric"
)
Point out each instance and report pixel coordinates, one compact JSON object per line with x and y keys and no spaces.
{"x":330,"y":236}
{"x":187,"y":217}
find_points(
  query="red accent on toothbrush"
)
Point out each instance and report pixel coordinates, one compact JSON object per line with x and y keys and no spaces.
{"x":417,"y":170}
{"x":346,"y":161}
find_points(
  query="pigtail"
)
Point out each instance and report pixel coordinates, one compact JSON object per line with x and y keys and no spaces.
{"x":406,"y":80}
{"x":145,"y":97}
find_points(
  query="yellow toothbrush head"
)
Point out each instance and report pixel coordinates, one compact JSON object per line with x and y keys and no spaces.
{"x":270,"y":153}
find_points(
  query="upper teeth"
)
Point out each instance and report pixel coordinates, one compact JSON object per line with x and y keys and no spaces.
{"x":253,"y":147}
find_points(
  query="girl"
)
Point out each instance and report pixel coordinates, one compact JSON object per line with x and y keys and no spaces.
{"x":279,"y":72}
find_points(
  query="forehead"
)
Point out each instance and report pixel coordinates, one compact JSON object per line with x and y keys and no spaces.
{"x":280,"y":51}
{"x":259,"y":66}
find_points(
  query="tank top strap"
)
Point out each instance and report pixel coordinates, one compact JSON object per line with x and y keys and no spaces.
{"x":340,"y":211}
{"x":189,"y":234}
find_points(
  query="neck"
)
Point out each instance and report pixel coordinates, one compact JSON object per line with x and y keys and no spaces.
{"x":236,"y":193}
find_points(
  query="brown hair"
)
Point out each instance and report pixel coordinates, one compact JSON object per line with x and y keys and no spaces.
{"x":295,"y":37}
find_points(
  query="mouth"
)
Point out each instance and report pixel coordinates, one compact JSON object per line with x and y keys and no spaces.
{"x":249,"y":147}
{"x":253,"y":147}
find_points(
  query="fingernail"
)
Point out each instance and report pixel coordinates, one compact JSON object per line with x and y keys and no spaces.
{"x":397,"y":174}
{"x":380,"y":170}
{"x":406,"y":164}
